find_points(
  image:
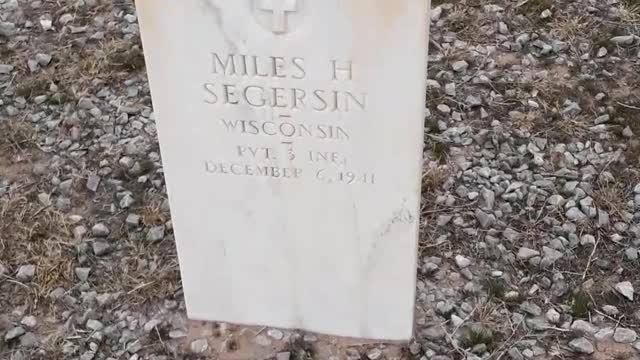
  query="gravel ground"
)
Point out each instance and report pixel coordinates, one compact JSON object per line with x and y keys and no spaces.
{"x":531,"y":227}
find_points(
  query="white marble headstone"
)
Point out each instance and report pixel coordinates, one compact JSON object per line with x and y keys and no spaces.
{"x":291,"y":133}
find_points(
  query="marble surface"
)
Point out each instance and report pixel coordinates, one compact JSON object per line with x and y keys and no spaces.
{"x":291,"y":133}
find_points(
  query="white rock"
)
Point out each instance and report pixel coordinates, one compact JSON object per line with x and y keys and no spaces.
{"x":460,"y":66}
{"x":456,"y":320}
{"x":101,"y":248}
{"x":581,"y":345}
{"x":602,"y":119}
{"x":511,"y":235}
{"x":462,"y":262}
{"x":5,"y":69}
{"x":436,"y":13}
{"x":526,"y":253}
{"x":583,"y":327}
{"x":587,"y":240}
{"x":46,"y":24}
{"x":156,"y":233}
{"x":43,"y":59}
{"x":100,"y":230}
{"x":28,"y":340}
{"x":26,"y":273}
{"x":177,"y":334}
{"x":126,"y":201}
{"x":450,"y":89}
{"x":631,"y":254}
{"x":93,"y":181}
{"x":604,"y":334}
{"x":262,"y":340}
{"x":550,"y":256}
{"x":443,"y":108}
{"x":130,"y":18}
{"x":625,"y":336}
{"x":374,"y":354}
{"x":623,"y":40}
{"x":14,"y":333}
{"x":485,"y":220}
{"x":133,"y":220}
{"x":602,"y":52}
{"x":151,"y":324}
{"x":275,"y":334}
{"x":85,"y":103}
{"x":625,"y":288}
{"x":433,"y":84}
{"x":553,"y":316}
{"x":503,"y":28}
{"x":556,"y":200}
{"x":610,"y":310}
{"x":82,"y":273}
{"x":574,"y":214}
{"x":493,"y":8}
{"x":94,"y":325}
{"x":65,"y":19}
{"x":199,"y":346}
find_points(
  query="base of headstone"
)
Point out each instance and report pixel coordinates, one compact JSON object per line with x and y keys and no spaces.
{"x":242,"y":342}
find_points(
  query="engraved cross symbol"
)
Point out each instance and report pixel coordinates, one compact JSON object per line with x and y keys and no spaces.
{"x":279,"y":8}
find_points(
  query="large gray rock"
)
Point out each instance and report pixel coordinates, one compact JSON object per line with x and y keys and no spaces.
{"x":581,"y":345}
{"x":460,"y":66}
{"x":583,"y":327}
{"x":623,"y":40}
{"x":28,"y":340}
{"x":625,"y":288}
{"x":550,"y":256}
{"x":434,"y":333}
{"x":485,"y":220}
{"x":574,"y":214}
{"x":199,"y":346}
{"x":101,"y":248}
{"x":526,"y":253}
{"x":14,"y":333}
{"x":531,"y":308}
{"x":100,"y":230}
{"x":511,"y":235}
{"x":26,"y":273}
{"x":462,"y":262}
{"x":625,"y":336}
{"x":155,"y":234}
{"x":5,"y":69}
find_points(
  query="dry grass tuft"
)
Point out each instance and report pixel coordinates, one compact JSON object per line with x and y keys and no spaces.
{"x":32,"y":233}
{"x":477,"y":335}
{"x":581,"y":305}
{"x":75,"y":66}
{"x":569,"y":28}
{"x":612,"y":199}
{"x":17,"y":135}
{"x":125,"y":58}
{"x":629,"y":11}
{"x":32,"y":86}
{"x":148,"y":272}
{"x":434,"y":177}
{"x":535,"y":7}
{"x":153,"y":213}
